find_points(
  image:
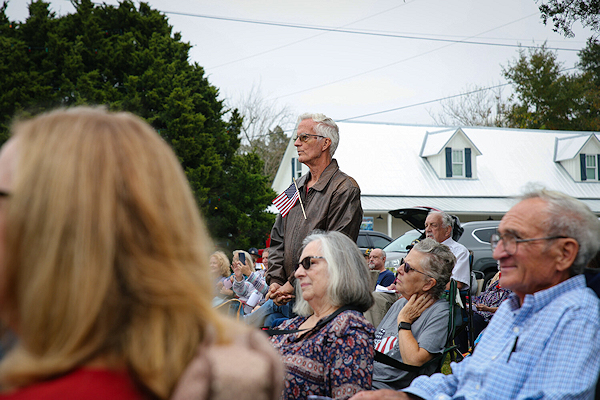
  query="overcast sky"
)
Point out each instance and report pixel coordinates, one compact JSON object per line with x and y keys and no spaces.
{"x":346,"y":75}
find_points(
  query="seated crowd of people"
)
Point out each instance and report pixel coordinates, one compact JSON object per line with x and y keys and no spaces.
{"x":326,"y":332}
{"x":111,"y":288}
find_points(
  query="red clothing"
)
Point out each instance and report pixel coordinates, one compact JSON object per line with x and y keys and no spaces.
{"x":82,"y":384}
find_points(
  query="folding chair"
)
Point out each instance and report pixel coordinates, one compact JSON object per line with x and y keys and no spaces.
{"x":454,"y":321}
{"x":231,"y":307}
{"x":467,"y":300}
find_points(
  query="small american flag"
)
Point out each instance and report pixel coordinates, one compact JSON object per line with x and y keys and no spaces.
{"x":286,"y":200}
{"x":386,"y":344}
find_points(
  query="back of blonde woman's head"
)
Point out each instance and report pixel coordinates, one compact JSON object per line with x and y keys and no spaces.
{"x":106,"y":252}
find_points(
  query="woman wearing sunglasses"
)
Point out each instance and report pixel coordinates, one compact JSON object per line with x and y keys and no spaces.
{"x":416,"y":326}
{"x":328,"y":348}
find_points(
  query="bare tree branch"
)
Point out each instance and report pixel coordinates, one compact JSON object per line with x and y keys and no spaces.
{"x":263,"y":128}
{"x":478,"y":107}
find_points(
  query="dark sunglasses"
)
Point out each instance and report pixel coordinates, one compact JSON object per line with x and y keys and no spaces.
{"x":305,"y":262}
{"x":408,"y":268}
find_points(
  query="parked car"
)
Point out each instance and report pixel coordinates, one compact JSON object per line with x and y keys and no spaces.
{"x":477,"y":239}
{"x":474,"y":235}
{"x":372,"y":239}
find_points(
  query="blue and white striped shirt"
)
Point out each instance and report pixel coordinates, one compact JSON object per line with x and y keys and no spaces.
{"x":548,"y":348}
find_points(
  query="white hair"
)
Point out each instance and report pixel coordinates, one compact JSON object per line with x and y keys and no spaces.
{"x":570,"y":217}
{"x":325,"y":127}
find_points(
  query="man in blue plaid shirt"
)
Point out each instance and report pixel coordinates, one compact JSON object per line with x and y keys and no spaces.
{"x":544,"y":341}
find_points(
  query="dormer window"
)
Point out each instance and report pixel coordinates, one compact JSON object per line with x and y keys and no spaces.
{"x":589,"y":167}
{"x":458,"y":163}
{"x":580,"y":156}
{"x":451,"y":154}
{"x":296,"y":168}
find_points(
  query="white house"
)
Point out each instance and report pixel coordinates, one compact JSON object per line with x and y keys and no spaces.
{"x":473,"y":172}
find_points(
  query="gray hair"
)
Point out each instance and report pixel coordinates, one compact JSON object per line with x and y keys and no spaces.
{"x":447,"y":220}
{"x":439,"y":262}
{"x":570,"y":217}
{"x":325,"y":127}
{"x":349,"y":276}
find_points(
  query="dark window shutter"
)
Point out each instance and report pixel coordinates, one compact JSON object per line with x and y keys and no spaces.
{"x":598,"y":167}
{"x":468,"y":172}
{"x":448,"y":162}
{"x":582,"y":162}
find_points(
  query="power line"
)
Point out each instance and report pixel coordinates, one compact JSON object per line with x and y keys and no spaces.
{"x":355,"y":32}
{"x":436,"y":100}
{"x":397,"y":62}
{"x":424,"y":102}
{"x":303,"y":40}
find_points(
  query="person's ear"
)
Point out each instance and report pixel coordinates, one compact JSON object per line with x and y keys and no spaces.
{"x":326,"y":144}
{"x":567,"y":251}
{"x":430,"y":284}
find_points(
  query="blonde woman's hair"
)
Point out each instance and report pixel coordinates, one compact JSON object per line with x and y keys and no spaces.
{"x":223,"y":262}
{"x":107,"y":256}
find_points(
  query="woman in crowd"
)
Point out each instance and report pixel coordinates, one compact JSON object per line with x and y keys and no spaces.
{"x":219,"y":266}
{"x":415,"y":328}
{"x":328,"y":348}
{"x":104,"y":272}
{"x":485,"y":305}
{"x":248,"y":284}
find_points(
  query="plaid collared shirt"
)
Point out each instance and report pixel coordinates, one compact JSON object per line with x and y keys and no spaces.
{"x":548,"y":348}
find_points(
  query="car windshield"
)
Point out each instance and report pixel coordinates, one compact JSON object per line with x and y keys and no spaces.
{"x":403,"y":241}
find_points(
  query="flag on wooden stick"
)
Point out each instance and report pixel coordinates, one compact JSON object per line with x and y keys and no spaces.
{"x":286,"y":200}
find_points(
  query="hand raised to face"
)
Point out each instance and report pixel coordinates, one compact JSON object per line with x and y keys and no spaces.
{"x":415,"y":307}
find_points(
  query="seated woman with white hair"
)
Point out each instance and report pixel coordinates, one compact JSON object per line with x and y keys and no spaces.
{"x":328,"y":349}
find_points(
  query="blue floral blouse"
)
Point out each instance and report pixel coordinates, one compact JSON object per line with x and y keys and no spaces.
{"x":335,"y":360}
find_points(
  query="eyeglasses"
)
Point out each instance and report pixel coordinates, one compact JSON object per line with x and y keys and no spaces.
{"x":304,"y":137}
{"x":408,"y":268}
{"x":510,"y":241}
{"x":306,"y":262}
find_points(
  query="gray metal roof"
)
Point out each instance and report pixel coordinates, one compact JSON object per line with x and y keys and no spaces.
{"x":434,"y":142}
{"x":455,"y":205}
{"x":568,"y":148}
{"x":384,"y":159}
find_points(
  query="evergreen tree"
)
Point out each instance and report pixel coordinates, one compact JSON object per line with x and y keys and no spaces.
{"x":127,"y":58}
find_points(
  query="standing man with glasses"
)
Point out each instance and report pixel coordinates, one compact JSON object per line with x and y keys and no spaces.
{"x":544,"y":340}
{"x":331,"y":201}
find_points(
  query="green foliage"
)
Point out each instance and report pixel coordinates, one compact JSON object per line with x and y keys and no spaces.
{"x":547,"y":97}
{"x":127,"y":58}
{"x":565,"y":12}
